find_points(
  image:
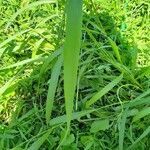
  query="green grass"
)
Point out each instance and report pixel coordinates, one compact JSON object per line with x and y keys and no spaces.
{"x":71,"y":53}
{"x":74,"y":75}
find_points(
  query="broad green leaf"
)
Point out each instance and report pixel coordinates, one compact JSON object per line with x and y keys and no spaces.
{"x":100,"y":125}
{"x":105,"y":90}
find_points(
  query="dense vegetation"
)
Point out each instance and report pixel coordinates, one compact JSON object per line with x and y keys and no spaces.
{"x":39,"y":48}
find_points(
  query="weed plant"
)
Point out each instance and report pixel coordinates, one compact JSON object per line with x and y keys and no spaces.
{"x":74,"y":75}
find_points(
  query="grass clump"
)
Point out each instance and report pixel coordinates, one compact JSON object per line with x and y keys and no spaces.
{"x":74,"y":75}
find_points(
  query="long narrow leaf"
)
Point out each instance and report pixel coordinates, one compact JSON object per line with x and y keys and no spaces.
{"x":115,"y":49}
{"x":75,"y":115}
{"x":138,"y":99}
{"x":24,"y":62}
{"x":38,"y":143}
{"x":52,"y":88}
{"x":48,"y":60}
{"x":121,"y":126}
{"x":105,"y":90}
{"x":141,"y":114}
{"x":71,"y":53}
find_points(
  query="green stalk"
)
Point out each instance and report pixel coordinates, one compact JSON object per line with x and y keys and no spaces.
{"x":71,"y":53}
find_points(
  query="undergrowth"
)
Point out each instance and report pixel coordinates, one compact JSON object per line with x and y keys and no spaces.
{"x":111,"y":105}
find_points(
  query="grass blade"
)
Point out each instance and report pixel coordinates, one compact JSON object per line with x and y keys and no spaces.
{"x":30,"y":6}
{"x":115,"y":49}
{"x":9,"y":83}
{"x":75,"y":115}
{"x":138,"y":102}
{"x":121,"y":127}
{"x":38,"y":143}
{"x":105,"y":90}
{"x":24,"y":62}
{"x":52,"y":88}
{"x":48,"y":60}
{"x":139,"y":99}
{"x":141,"y":114}
{"x":2,"y":50}
{"x":71,"y":53}
{"x":144,"y":134}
